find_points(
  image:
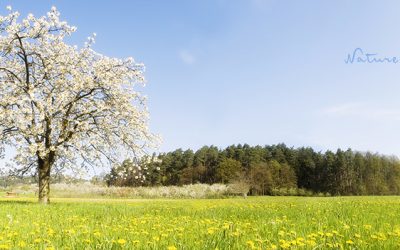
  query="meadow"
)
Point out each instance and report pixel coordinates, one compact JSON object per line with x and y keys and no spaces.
{"x":234,"y":223}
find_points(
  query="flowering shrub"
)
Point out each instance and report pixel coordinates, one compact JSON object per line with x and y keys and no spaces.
{"x":89,"y":190}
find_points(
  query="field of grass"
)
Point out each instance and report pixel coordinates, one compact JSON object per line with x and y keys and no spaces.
{"x":253,"y":223}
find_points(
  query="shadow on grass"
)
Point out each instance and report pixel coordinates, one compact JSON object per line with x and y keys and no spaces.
{"x":6,"y":201}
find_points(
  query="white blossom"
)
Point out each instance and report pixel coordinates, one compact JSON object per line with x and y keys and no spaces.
{"x":71,"y":102}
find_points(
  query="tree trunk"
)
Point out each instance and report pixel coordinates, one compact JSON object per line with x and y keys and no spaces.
{"x":44,"y":167}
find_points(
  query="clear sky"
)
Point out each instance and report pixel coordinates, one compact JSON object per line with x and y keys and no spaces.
{"x":224,"y":72}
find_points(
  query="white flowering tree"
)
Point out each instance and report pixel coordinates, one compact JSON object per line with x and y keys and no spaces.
{"x":61,"y":105}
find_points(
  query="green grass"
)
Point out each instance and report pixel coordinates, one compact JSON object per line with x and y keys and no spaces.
{"x":253,"y":223}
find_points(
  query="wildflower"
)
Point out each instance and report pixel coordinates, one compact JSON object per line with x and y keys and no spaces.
{"x":381,"y":236}
{"x":368,"y":227}
{"x":121,"y":241}
{"x":285,"y":245}
{"x":273,"y":247}
{"x":311,"y":242}
{"x":251,"y":244}
{"x":70,"y":231}
{"x":350,"y":242}
{"x":22,"y":244}
{"x":172,"y":248}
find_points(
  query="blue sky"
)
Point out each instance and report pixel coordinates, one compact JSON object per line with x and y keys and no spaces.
{"x":259,"y":72}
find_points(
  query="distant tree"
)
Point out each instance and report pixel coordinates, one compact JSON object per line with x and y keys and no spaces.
{"x":393,"y":176}
{"x":260,"y":179}
{"x":228,"y":170}
{"x":327,"y":172}
{"x":239,"y":186}
{"x":305,"y":168}
{"x":283,"y":176}
{"x":187,"y":175}
{"x":207,"y":157}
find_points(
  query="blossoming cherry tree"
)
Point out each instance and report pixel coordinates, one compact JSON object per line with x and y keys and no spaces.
{"x":64,"y":106}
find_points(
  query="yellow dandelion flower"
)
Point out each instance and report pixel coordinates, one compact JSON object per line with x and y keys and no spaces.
{"x":273,"y":247}
{"x":121,"y":241}
{"x":368,"y":227}
{"x":236,"y":234}
{"x":311,"y":242}
{"x":285,"y":245}
{"x":172,"y":248}
{"x":22,"y":244}
{"x":250,"y":243}
{"x":350,"y":242}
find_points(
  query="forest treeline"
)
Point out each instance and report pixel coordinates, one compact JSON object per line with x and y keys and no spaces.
{"x":268,"y":168}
